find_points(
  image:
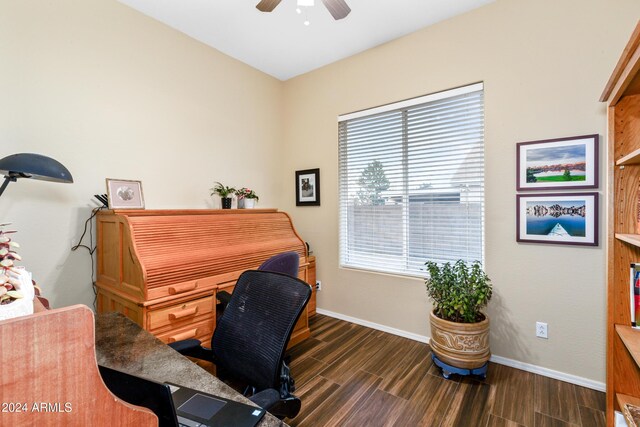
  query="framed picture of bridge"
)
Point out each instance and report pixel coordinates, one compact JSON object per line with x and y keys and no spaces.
{"x":554,"y":164}
{"x":560,"y":218}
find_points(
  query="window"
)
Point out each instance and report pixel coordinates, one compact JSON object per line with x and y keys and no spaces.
{"x":412,"y":182}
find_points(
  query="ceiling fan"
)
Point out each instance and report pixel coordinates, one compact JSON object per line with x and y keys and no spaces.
{"x":338,"y":8}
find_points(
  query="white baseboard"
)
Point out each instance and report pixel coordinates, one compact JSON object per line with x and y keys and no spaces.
{"x":377,"y":326}
{"x":546,"y":372}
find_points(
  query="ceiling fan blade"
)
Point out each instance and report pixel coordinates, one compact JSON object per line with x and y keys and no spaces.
{"x":267,"y":5}
{"x":338,"y":8}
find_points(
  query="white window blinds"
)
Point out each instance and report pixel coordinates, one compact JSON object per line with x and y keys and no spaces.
{"x":412,"y":182}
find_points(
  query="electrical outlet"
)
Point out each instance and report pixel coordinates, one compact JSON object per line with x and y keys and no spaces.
{"x":318,"y":285}
{"x":541,"y":330}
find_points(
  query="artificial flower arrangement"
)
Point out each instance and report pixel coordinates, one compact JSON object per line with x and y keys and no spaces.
{"x":246,"y":193}
{"x":9,"y":275}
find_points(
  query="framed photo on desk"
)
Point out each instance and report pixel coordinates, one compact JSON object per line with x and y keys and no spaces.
{"x":125,"y":194}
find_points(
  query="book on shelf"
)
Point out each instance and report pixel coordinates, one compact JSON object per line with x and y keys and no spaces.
{"x":634,"y":295}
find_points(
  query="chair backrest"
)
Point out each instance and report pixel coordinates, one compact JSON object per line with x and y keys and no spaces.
{"x":285,"y":262}
{"x":252,"y":335}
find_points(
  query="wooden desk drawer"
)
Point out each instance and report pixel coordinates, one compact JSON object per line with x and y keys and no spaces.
{"x":182,"y":313}
{"x":201,"y":330}
{"x":183,"y":288}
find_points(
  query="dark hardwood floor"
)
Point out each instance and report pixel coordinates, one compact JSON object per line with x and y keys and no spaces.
{"x":349,"y":375}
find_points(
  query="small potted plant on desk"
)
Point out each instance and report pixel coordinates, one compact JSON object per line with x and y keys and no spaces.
{"x":224,"y":192}
{"x":247,"y":198}
{"x":459,"y":330}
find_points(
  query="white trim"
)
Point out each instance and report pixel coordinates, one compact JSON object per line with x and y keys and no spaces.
{"x":377,"y":326}
{"x":546,"y":372}
{"x":413,"y":101}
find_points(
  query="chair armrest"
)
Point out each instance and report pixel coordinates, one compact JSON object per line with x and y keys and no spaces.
{"x":266,"y":398}
{"x":224,"y":297}
{"x":192,"y":348}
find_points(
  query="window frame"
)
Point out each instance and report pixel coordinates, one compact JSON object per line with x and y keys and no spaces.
{"x":402,"y":107}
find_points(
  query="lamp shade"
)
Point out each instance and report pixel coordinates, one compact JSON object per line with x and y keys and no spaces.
{"x":36,"y":166}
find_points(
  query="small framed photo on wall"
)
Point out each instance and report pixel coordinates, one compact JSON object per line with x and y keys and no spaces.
{"x":561,"y":163}
{"x":308,"y":187}
{"x":124,"y":194}
{"x":561,"y":218}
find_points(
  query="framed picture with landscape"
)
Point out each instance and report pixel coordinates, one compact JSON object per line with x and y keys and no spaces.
{"x":308,"y":187}
{"x":561,"y":218}
{"x":554,"y":164}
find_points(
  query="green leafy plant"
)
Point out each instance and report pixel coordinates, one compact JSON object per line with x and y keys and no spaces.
{"x":246,"y":193}
{"x":222,"y":190}
{"x":8,"y":282}
{"x":458,"y":291}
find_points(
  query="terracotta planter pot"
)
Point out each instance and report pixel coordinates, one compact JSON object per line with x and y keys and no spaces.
{"x":463,"y":345}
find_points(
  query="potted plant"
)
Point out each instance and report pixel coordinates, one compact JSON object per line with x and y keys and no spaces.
{"x":459,"y":329}
{"x":16,"y":288}
{"x":224,"y":192}
{"x":247,"y":198}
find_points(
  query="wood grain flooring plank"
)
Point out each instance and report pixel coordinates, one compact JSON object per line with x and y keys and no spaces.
{"x":556,"y":399}
{"x":386,"y":358}
{"x":305,"y":347}
{"x":312,"y":394}
{"x":591,"y":398}
{"x":471,"y":405}
{"x":496,"y":421}
{"x":340,"y":370}
{"x":335,"y":347}
{"x":306,"y":368}
{"x":428,"y":403}
{"x":514,"y":393}
{"x":335,"y":332}
{"x":590,"y":417}
{"x":379,"y":409}
{"x":542,"y":420}
{"x":322,"y":325}
{"x":338,"y":406}
{"x":403,"y":382}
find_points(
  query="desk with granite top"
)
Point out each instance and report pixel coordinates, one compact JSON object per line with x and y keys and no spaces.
{"x":123,"y":345}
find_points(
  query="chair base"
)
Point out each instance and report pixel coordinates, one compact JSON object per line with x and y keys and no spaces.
{"x":447,"y":370}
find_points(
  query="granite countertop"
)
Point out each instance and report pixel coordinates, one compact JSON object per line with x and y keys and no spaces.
{"x":123,"y":345}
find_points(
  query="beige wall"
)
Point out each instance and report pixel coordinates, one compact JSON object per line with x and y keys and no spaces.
{"x":544,"y":64}
{"x":111,"y":93}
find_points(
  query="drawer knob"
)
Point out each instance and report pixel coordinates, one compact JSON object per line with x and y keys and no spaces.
{"x":183,"y":313}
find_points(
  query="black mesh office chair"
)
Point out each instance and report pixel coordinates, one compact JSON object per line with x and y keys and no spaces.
{"x":251,"y":337}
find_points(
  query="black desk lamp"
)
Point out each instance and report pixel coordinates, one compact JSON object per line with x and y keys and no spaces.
{"x":36,"y":166}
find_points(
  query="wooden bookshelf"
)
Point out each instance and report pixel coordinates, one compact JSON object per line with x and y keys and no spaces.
{"x":632,"y":158}
{"x":622,"y":95}
{"x":632,"y":239}
{"x":631,"y":339}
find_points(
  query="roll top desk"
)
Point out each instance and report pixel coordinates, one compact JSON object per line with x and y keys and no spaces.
{"x":162,"y":268}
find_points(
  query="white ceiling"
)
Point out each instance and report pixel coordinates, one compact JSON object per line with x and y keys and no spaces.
{"x":279,"y":44}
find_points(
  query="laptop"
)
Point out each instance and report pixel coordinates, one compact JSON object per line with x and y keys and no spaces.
{"x":176,"y":405}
